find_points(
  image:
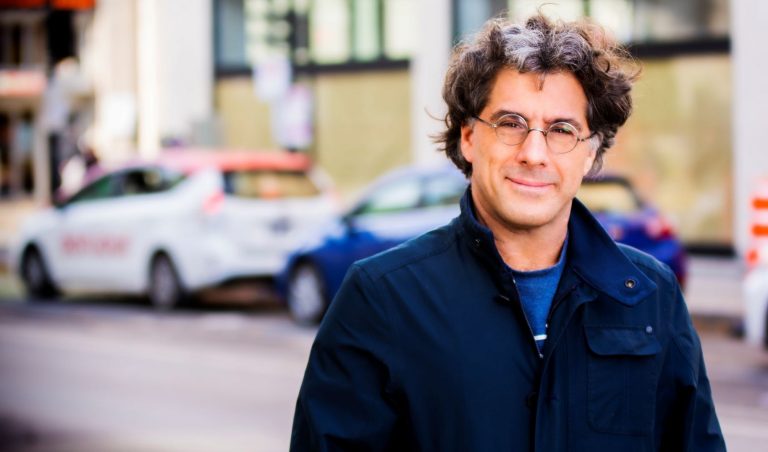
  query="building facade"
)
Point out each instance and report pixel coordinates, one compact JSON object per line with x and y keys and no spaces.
{"x":46,"y":100}
{"x":356,"y":85}
{"x":372,"y":111}
{"x":341,"y":68}
{"x":117,"y":77}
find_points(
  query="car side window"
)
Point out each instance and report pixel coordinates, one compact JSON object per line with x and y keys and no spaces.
{"x":102,"y":188}
{"x":397,"y":196}
{"x":269,"y":184}
{"x":608,"y":196}
{"x":443,"y":190}
{"x":147,"y":181}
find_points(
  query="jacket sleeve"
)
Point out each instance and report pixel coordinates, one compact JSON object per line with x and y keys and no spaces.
{"x":686,"y":416}
{"x":345,"y":399}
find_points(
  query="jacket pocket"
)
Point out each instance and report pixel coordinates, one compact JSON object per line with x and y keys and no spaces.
{"x":621,"y":379}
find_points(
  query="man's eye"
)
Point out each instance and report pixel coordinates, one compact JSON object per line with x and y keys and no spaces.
{"x":511,"y":125}
{"x":562,"y":129}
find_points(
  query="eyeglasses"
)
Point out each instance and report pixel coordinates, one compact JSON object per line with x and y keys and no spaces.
{"x":511,"y":129}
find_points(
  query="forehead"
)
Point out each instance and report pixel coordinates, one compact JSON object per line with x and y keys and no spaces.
{"x":538,"y":95}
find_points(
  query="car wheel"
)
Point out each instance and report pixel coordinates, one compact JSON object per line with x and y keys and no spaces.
{"x":35,"y":276}
{"x":306,"y":294}
{"x":165,"y":290}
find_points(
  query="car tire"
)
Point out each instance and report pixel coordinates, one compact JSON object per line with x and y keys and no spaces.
{"x":35,"y":276}
{"x":165,"y":290}
{"x":306,"y":297}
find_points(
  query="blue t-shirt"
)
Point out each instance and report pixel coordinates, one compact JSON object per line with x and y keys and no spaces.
{"x":537,"y":289}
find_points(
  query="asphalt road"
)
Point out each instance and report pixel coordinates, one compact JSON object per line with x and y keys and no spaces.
{"x":86,"y":375}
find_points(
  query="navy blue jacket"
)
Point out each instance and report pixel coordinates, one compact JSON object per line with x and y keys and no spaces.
{"x":426,"y":348}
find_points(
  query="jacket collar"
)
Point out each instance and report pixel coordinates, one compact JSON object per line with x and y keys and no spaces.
{"x":592,"y":254}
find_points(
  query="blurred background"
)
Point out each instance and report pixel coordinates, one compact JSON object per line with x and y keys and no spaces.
{"x":349,"y":90}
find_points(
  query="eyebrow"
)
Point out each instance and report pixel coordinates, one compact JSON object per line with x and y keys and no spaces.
{"x":573,"y":121}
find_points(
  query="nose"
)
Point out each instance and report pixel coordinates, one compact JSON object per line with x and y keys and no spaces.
{"x":533,"y":150}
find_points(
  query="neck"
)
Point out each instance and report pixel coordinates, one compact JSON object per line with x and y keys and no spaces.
{"x":528,"y":251}
{"x":527,"y":248}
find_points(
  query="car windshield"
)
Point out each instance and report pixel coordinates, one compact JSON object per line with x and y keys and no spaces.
{"x":269,"y":184}
{"x":608,"y":196}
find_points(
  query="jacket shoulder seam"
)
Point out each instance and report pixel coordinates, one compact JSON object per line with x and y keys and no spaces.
{"x":376,"y":273}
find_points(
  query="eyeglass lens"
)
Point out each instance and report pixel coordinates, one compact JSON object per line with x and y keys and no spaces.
{"x":561,"y":137}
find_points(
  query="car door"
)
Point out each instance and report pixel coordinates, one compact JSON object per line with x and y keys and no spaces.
{"x":441,"y":194}
{"x":144,"y":217}
{"x":395,"y":210}
{"x":405,"y":208}
{"x":385,"y":217}
{"x":80,"y":246}
{"x":107,"y":229}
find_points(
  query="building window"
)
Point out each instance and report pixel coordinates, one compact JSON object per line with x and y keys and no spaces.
{"x":366,"y":28}
{"x":399,"y":23}
{"x":229,"y":42}
{"x":314,"y":34}
{"x":330,"y":37}
{"x":636,"y":22}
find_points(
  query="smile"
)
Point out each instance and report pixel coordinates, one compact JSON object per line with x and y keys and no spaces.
{"x":529,"y":184}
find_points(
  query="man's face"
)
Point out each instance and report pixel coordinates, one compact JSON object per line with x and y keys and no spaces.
{"x":525,"y":186}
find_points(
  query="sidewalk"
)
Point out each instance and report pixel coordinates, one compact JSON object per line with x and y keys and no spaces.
{"x":714,"y":294}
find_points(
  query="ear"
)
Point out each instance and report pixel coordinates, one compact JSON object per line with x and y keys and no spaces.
{"x":589,"y":160}
{"x":467,"y":143}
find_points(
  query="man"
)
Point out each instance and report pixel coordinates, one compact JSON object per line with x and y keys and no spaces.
{"x":520,"y":325}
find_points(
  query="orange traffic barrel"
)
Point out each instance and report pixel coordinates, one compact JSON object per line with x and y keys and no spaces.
{"x":758,"y":246}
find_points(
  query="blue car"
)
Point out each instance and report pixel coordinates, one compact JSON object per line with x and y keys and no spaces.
{"x":397,"y":207}
{"x":411,"y":201}
{"x":630,"y":220}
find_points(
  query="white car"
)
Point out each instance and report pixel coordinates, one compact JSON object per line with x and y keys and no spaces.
{"x":187,"y":221}
{"x":756,"y":298}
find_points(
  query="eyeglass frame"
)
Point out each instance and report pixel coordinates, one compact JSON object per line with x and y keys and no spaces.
{"x":495,"y":125}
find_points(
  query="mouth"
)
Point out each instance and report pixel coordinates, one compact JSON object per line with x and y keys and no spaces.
{"x":530,"y":183}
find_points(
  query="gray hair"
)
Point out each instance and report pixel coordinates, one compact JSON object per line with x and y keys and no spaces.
{"x":604,"y":70}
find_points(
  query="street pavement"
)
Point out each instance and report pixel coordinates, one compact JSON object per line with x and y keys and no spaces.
{"x":112,"y":375}
{"x":100,"y":377}
{"x":92,"y":375}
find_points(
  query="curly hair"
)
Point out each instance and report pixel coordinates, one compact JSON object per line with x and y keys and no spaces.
{"x":604,"y":69}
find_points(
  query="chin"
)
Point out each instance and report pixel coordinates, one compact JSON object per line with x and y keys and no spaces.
{"x":533,"y":213}
{"x":528,"y":219}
